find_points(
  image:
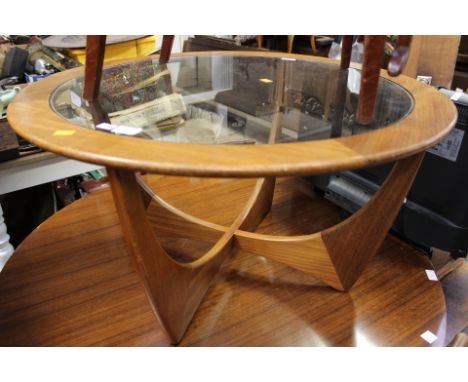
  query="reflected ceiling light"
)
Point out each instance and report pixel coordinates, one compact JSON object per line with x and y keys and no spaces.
{"x":266,"y":80}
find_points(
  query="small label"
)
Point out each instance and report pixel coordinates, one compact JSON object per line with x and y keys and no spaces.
{"x":428,"y":336}
{"x":119,"y":130}
{"x":425,"y":79}
{"x":127,"y":130}
{"x":431,"y":275}
{"x":75,"y":99}
{"x":63,"y":133}
{"x":105,"y":126}
{"x":456,"y":96}
{"x":450,"y":146}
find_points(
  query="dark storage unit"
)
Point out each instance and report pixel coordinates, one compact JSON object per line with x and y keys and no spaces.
{"x":435,"y":213}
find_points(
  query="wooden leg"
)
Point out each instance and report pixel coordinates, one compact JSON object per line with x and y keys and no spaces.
{"x":400,"y":55}
{"x":373,"y":55}
{"x":166,"y":49}
{"x":98,"y":114}
{"x":346,"y":49}
{"x":336,"y":256}
{"x":95,"y":48}
{"x":290,"y":43}
{"x":339,"y":254}
{"x":313,"y":45}
{"x":176,"y":289}
{"x":260,"y":41}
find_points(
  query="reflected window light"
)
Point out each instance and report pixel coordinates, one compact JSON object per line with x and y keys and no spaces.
{"x":362,"y":340}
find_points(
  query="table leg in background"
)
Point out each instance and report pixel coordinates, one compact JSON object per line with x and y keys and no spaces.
{"x":6,"y":249}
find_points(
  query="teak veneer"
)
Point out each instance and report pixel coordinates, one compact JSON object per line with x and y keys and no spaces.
{"x":430,"y":121}
{"x":72,"y":283}
{"x":337,"y":256}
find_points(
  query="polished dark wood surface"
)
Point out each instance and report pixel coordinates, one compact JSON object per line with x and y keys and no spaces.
{"x":71,"y":282}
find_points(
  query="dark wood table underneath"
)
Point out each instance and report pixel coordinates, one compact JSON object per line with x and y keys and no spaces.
{"x":71,"y":282}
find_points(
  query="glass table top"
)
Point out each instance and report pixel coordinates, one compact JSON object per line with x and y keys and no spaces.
{"x":229,"y":99}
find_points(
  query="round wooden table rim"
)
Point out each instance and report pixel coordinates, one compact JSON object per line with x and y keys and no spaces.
{"x":431,"y":120}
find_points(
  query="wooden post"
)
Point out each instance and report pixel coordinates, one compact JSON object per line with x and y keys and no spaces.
{"x":95,"y":47}
{"x":346,"y":48}
{"x":373,"y":55}
{"x":166,"y":49}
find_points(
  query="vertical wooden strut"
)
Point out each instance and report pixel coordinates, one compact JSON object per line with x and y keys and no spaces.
{"x":373,"y":56}
{"x":95,"y":47}
{"x":166,"y":48}
{"x":346,"y":49}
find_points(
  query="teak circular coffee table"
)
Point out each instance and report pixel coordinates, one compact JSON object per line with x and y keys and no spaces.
{"x":238,"y":115}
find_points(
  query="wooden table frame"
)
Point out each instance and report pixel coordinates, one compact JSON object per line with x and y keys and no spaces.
{"x":336,"y":256}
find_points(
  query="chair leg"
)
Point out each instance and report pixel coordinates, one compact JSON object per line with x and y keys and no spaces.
{"x":346,"y":48}
{"x":260,"y":41}
{"x":95,"y":48}
{"x":313,"y":45}
{"x":373,"y":55}
{"x":290,"y":43}
{"x":399,"y":55}
{"x":166,"y":49}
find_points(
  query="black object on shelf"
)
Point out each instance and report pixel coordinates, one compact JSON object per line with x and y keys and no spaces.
{"x":15,"y":63}
{"x":9,"y":145}
{"x":435,"y":213}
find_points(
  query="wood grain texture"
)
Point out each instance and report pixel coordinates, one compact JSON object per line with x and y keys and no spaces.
{"x":455,"y":287}
{"x":434,"y":56}
{"x":336,"y":256}
{"x":175,"y":289}
{"x":71,"y":282}
{"x":352,"y":243}
{"x":431,"y":120}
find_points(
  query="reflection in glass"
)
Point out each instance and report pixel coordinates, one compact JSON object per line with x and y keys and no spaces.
{"x":232,"y":99}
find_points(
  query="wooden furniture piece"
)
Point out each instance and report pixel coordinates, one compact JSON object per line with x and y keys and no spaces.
{"x":433,"y":56}
{"x":410,"y":118}
{"x":73,"y":284}
{"x":28,"y":171}
{"x":290,"y":43}
{"x":372,"y":62}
